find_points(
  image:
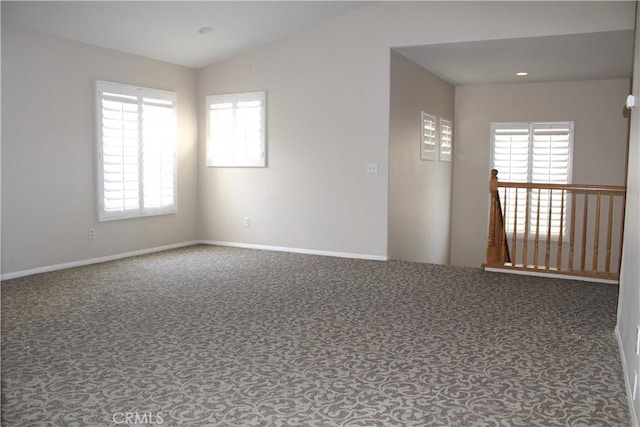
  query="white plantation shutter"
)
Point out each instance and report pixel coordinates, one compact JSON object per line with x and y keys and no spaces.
{"x":511,"y":151}
{"x":533,"y":152}
{"x":551,"y":148}
{"x":136,"y":151}
{"x":428,"y":137}
{"x":236,"y":129}
{"x":120,"y":152}
{"x":551,"y":152}
{"x":510,"y":154}
{"x":446,"y":140}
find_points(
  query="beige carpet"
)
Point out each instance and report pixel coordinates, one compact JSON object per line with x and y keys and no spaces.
{"x":235,"y":337}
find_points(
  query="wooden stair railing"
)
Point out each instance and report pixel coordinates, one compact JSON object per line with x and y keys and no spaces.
{"x":531,"y":225}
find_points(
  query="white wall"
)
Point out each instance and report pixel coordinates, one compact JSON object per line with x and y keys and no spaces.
{"x":419,"y":191}
{"x":599,"y":153}
{"x":328,"y":90}
{"x":48,"y":144}
{"x":315,"y":193}
{"x":328,"y":116}
{"x":629,"y":302}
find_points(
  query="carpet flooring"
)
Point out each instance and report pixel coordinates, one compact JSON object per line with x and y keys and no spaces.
{"x":211,"y":336}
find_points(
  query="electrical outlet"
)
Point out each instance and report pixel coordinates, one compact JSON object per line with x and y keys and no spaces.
{"x":92,"y":233}
{"x":372,"y":168}
{"x":247,"y":221}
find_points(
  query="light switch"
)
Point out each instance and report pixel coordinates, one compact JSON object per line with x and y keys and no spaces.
{"x":631,"y":102}
{"x":372,"y":168}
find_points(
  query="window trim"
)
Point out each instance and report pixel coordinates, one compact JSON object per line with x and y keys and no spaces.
{"x":140,"y":93}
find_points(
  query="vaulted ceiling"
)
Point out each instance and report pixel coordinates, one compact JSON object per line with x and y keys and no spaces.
{"x":199,"y":33}
{"x":170,"y":30}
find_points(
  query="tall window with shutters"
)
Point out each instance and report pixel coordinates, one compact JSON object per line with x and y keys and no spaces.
{"x":539,"y":152}
{"x":236,"y":130}
{"x":136,"y":147}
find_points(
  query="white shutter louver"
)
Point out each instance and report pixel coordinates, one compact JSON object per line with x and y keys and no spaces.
{"x":136,"y":151}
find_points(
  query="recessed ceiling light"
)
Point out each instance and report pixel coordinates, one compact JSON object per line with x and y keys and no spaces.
{"x":205,"y":30}
{"x":522,"y":73}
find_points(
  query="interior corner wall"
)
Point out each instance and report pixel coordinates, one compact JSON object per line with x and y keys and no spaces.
{"x":599,"y":148}
{"x":419,"y":190}
{"x":48,"y":161}
{"x":326,"y":121}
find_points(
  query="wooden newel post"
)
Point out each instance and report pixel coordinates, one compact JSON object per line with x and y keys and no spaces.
{"x":493,"y":181}
{"x":493,"y":191}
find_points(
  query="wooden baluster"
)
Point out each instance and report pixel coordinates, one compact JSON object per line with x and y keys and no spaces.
{"x":537,"y":237}
{"x":525,"y":234}
{"x":607,"y":262}
{"x":514,"y":250}
{"x":493,"y":190}
{"x":502,"y":231}
{"x":504,"y":250}
{"x":596,"y":237}
{"x":547,"y":251}
{"x":572,"y":237}
{"x":584,"y":232}
{"x":560,"y":236}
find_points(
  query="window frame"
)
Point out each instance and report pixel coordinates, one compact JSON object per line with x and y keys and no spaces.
{"x":234,"y":99}
{"x":157,"y":96}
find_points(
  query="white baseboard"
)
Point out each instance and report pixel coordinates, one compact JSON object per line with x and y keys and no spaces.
{"x":16,"y":274}
{"x":46,"y":269}
{"x":627,"y":383}
{"x":550,"y":275}
{"x":295,"y":250}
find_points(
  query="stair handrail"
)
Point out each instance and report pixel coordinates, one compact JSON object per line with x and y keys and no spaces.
{"x":594,"y":248}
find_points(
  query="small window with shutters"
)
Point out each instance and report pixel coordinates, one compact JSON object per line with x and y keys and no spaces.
{"x":446,"y":140}
{"x":136,"y":147}
{"x":533,"y":152}
{"x":428,"y":137}
{"x":236,"y":130}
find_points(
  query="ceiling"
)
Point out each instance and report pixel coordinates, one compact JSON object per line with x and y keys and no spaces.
{"x":169,"y":31}
{"x":592,"y":56}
